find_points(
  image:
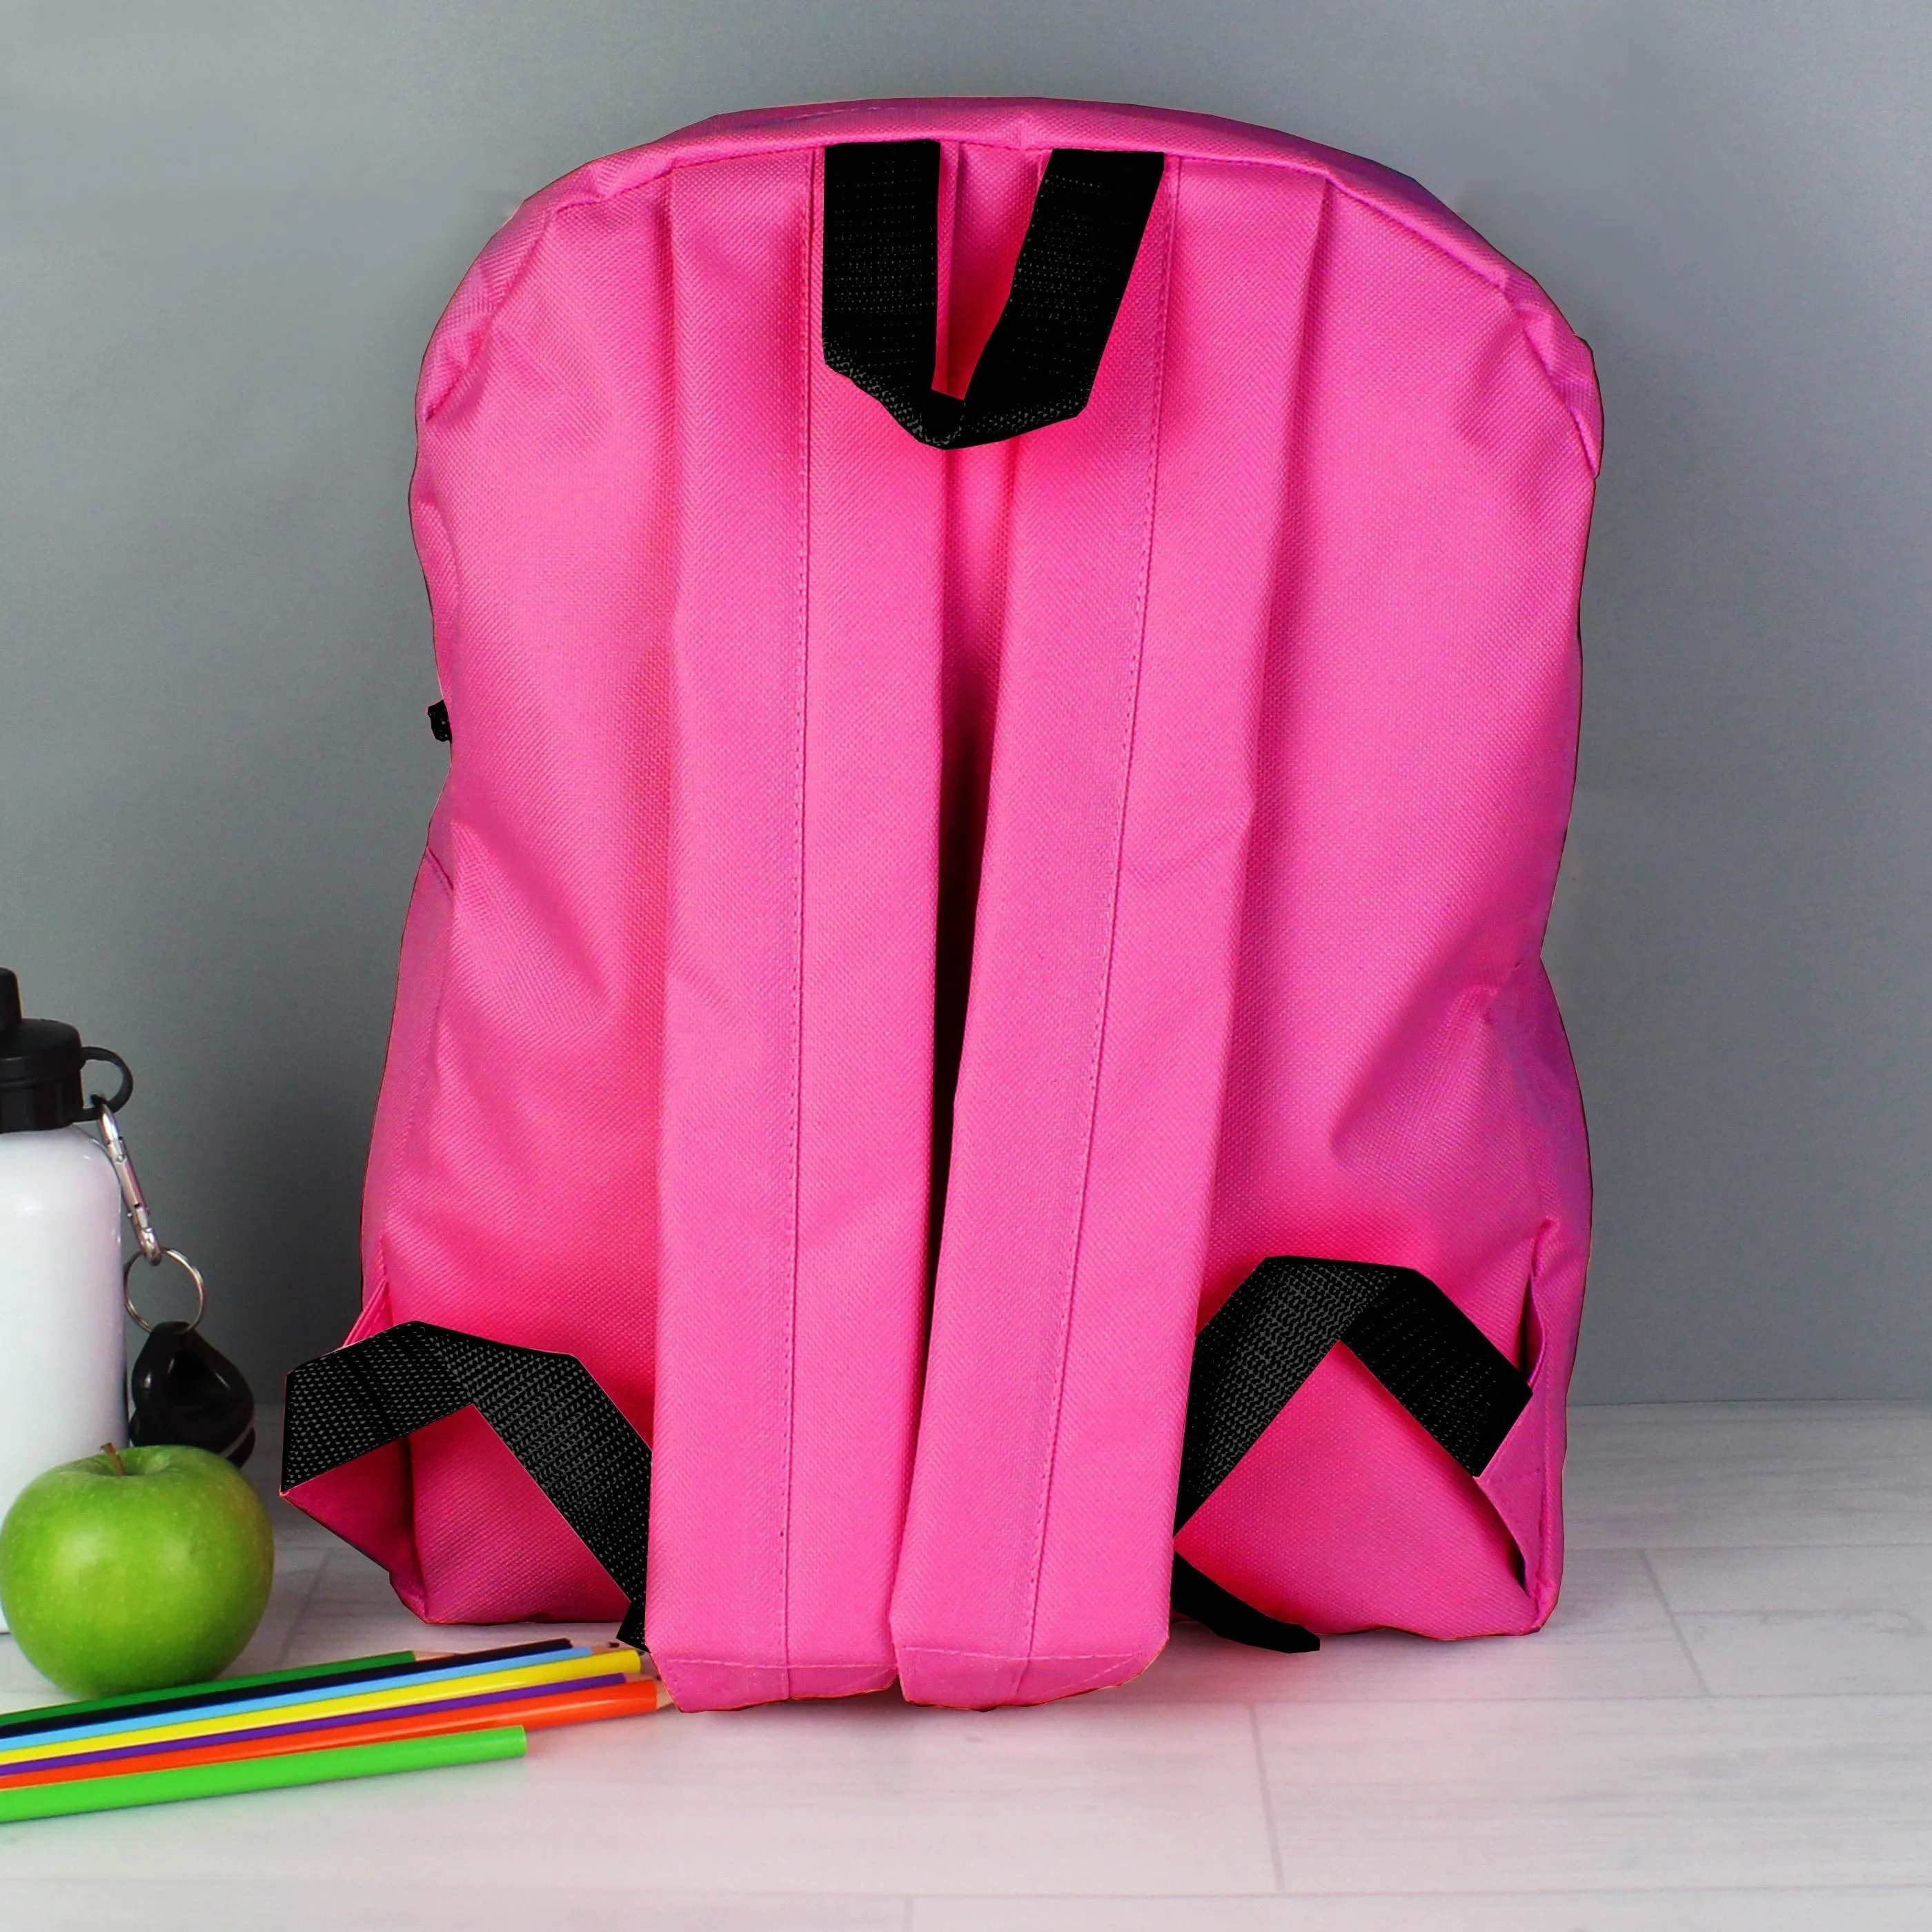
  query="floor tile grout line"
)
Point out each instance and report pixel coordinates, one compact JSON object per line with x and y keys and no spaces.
{"x":1907,"y":1890}
{"x":1867,"y":1548}
{"x":1268,"y":1799}
{"x":1766,"y":1549}
{"x":1905,"y":1405}
{"x":1677,"y":1629}
{"x":1698,"y":1696}
{"x":634,"y":1895}
{"x":289,"y":1635}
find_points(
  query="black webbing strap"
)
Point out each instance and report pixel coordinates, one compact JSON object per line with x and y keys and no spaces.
{"x":1202,"y":1598}
{"x":572,"y":1439}
{"x":1269,"y":1337}
{"x":881,"y":287}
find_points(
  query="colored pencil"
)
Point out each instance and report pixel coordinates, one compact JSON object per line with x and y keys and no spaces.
{"x":619,"y":1660}
{"x":233,"y":1690}
{"x":274,"y":1696}
{"x":258,"y":1774}
{"x":634,"y":1699}
{"x":119,"y":1753}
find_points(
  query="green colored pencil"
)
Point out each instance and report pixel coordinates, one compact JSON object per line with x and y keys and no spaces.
{"x":262,"y":1774}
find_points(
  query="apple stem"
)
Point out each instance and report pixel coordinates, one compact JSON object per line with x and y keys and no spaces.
{"x":113,"y":1456}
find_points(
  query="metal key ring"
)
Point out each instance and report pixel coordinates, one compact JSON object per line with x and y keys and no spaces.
{"x":193,"y":1275}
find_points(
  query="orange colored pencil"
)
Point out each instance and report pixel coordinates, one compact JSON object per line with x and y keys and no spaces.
{"x":533,"y":1714}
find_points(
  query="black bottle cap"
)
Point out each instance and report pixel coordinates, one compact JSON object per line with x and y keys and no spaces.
{"x":40,"y":1062}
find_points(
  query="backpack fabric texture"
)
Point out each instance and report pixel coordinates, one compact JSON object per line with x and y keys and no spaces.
{"x":931,"y":894}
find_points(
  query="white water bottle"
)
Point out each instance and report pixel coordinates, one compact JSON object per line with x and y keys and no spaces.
{"x":62,"y":1360}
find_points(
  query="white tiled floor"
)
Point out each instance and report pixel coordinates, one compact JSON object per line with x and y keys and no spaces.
{"x":1727,"y":1728}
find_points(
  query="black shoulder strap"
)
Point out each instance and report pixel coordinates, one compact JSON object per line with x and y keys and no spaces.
{"x":573,"y":1440}
{"x":881,"y":287}
{"x":1267,"y":1340}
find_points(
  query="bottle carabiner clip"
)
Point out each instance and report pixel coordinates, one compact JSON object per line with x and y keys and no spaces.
{"x":152,"y":1252}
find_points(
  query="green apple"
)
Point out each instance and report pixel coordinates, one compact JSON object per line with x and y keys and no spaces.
{"x":135,"y":1570}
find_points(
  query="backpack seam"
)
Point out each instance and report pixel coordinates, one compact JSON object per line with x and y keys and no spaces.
{"x":1152,"y":490}
{"x":1441,"y":244}
{"x":800,"y":756}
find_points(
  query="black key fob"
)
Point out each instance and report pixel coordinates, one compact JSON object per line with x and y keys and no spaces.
{"x":181,"y":1389}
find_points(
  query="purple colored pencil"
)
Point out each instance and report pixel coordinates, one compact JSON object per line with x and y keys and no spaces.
{"x":291,"y":1728}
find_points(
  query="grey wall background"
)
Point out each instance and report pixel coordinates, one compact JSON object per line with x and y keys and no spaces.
{"x":227,"y":226}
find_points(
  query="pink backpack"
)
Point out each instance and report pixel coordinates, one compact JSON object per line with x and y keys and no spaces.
{"x":1012,"y":674}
